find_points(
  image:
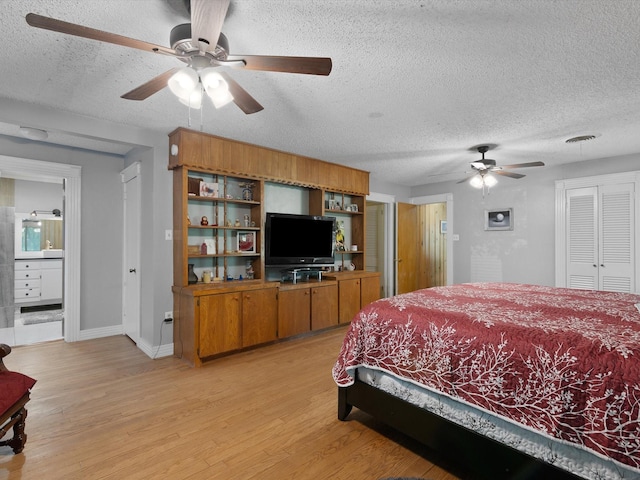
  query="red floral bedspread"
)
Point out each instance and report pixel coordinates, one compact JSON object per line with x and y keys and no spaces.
{"x":561,"y":361}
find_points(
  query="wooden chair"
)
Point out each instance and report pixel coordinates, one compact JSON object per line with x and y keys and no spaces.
{"x":14,"y":395}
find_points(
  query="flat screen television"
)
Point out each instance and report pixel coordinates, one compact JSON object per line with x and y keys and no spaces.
{"x":293,"y":241}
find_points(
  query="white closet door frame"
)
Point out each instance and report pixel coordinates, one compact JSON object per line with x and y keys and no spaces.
{"x":561,"y":217}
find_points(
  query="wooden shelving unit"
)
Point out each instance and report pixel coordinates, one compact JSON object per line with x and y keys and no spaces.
{"x":229,"y":314}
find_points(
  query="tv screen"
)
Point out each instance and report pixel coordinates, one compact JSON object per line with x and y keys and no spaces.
{"x":299,"y":240}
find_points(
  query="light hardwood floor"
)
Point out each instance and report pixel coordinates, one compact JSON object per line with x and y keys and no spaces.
{"x":102,"y":409}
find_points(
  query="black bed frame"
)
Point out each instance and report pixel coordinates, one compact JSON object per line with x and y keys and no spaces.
{"x":482,"y":457}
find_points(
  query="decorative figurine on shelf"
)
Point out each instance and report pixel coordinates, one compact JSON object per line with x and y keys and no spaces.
{"x":340,"y":236}
{"x":237,"y":224}
{"x":203,"y":249}
{"x":247,"y":191}
{"x":249,"y":270}
{"x":247,"y":220}
{"x":228,"y":222}
{"x":204,"y":221}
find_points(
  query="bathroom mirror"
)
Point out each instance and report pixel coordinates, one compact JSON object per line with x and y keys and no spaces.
{"x":35,"y":234}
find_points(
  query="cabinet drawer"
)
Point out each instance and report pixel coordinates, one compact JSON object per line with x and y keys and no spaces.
{"x":27,"y":294}
{"x":27,"y":266}
{"x":27,"y":283}
{"x":27,"y":274}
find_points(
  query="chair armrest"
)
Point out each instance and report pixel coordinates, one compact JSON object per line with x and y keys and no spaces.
{"x":4,"y":351}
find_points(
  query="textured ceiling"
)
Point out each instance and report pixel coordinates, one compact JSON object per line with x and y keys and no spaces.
{"x":415,"y":86}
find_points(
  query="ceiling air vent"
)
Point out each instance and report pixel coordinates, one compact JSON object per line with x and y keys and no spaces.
{"x":581,"y":138}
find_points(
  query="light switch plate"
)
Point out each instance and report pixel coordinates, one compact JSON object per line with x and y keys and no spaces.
{"x":168,"y":234}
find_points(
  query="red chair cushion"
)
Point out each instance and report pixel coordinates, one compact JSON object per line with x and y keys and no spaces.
{"x":13,"y":386}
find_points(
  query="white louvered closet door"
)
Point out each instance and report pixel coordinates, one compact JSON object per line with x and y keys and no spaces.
{"x":600,"y":249}
{"x":616,"y":249}
{"x":582,"y":238}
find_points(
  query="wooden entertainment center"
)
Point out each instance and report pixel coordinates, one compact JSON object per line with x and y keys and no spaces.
{"x":218,"y":237}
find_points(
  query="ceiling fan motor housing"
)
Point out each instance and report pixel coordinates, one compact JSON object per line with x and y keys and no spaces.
{"x":180,"y":40}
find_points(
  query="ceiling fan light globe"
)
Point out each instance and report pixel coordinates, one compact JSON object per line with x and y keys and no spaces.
{"x":490,"y":180}
{"x":477,"y":181}
{"x":210,"y":78}
{"x":219,"y":97}
{"x":183,"y":82}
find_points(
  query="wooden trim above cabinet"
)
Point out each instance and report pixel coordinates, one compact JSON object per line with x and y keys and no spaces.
{"x":205,"y":151}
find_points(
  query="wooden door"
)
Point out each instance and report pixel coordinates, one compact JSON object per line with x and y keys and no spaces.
{"x":220,"y":328}
{"x":259,"y":316}
{"x":324,"y":306}
{"x":348,"y":299}
{"x":294,"y":312}
{"x":408,"y":248}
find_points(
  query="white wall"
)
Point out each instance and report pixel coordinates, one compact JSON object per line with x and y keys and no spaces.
{"x":526,"y":254}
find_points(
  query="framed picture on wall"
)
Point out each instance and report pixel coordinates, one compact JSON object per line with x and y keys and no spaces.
{"x":247,"y":242}
{"x":499,"y":219}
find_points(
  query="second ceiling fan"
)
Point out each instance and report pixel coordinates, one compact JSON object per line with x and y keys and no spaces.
{"x":202,"y":46}
{"x":484,"y":166}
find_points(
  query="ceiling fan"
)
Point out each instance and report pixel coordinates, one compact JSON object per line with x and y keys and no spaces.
{"x":484,"y":166}
{"x":203,"y":47}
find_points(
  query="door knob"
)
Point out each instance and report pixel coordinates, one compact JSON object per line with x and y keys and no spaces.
{"x":132,"y":270}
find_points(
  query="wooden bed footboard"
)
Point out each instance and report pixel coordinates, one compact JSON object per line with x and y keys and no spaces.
{"x":484,"y":457}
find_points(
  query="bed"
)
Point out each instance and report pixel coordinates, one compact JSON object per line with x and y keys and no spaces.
{"x":511,"y":380}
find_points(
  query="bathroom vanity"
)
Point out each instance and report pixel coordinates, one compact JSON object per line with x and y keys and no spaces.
{"x":38,"y":281}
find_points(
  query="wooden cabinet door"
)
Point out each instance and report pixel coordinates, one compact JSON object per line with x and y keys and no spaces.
{"x":369,"y":290}
{"x":220,"y":328}
{"x":259,"y":316}
{"x":294,"y":312}
{"x":348,"y":299}
{"x":324,"y":306}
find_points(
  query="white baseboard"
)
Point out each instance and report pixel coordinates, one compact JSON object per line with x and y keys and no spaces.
{"x":101,"y":332}
{"x":156,"y":351}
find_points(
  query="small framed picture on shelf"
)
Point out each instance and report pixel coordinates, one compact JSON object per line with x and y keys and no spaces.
{"x":247,"y":242}
{"x":209,"y":189}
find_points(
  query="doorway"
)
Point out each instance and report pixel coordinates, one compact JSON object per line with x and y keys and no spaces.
{"x":379,"y":240}
{"x":424,"y":245}
{"x":70,"y":176}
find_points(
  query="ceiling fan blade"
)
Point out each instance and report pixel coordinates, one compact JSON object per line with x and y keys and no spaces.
{"x":507,"y":174}
{"x":154,"y":85}
{"x":467,"y":179}
{"x":306,"y":65}
{"x":207,"y":17}
{"x":241,"y":97}
{"x":522,"y":165}
{"x":61,"y":26}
